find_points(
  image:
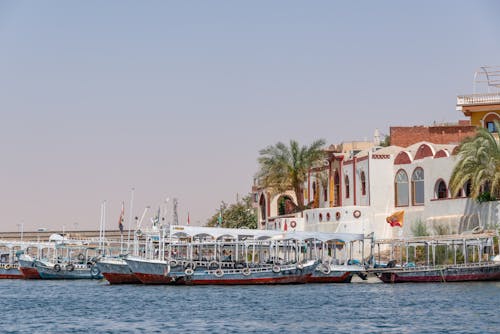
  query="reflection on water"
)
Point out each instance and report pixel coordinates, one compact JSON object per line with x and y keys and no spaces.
{"x":90,"y":306}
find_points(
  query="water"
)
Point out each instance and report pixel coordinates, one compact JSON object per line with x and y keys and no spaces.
{"x":96,"y":307}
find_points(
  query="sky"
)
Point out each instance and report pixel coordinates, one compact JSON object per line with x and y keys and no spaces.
{"x":176,"y":98}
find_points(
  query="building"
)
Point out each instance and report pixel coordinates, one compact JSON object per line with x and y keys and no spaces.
{"x":355,"y":190}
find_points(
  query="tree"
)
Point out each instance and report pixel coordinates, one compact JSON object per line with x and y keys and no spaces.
{"x":479,"y":164}
{"x":284,"y":168}
{"x":237,"y":215}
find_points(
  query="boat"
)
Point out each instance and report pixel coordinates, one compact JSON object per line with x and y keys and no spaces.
{"x":485,"y":271}
{"x":70,"y":260}
{"x":453,"y":258}
{"x":9,"y":266}
{"x":116,"y":271}
{"x":337,"y":264}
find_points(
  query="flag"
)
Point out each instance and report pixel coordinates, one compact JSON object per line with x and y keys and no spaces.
{"x":120,"y":220}
{"x":188,"y":219}
{"x":396,"y":219}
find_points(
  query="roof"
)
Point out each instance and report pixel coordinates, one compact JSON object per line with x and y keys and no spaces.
{"x":242,"y":234}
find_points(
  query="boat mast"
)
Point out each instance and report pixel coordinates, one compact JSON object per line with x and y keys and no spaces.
{"x":130,"y":216}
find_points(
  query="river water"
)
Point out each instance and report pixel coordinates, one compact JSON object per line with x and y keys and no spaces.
{"x":96,"y":307}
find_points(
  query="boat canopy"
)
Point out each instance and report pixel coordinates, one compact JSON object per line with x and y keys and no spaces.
{"x":243,"y":234}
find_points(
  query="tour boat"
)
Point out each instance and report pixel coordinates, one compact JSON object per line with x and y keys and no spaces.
{"x":485,"y":271}
{"x":116,"y":271}
{"x":466,"y":257}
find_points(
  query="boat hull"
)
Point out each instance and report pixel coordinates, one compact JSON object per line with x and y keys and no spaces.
{"x":28,"y":269}
{"x":285,"y":275}
{"x":153,"y":272}
{"x":117,"y":272}
{"x":10,"y":273}
{"x":445,"y":274}
{"x":77,"y":273}
{"x":334,"y":274}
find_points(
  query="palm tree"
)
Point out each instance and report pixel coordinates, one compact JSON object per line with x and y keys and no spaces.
{"x":285,"y":168}
{"x":479,"y":163}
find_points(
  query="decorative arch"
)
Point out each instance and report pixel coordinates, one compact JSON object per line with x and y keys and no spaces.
{"x":440,"y":189}
{"x":488,"y":121}
{"x":417,"y":186}
{"x":401,"y":188}
{"x":442,"y":154}
{"x":425,"y":150}
{"x":403,"y":158}
{"x":285,"y":205}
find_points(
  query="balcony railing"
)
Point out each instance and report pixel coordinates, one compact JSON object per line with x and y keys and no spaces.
{"x":477,"y":99}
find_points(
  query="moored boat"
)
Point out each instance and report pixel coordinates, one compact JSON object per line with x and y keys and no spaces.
{"x":485,"y":271}
{"x":453,"y":258}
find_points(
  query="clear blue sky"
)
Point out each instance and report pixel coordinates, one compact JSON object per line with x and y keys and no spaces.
{"x":177,"y":98}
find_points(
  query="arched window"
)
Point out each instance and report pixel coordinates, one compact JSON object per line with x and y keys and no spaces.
{"x":441,"y":190}
{"x":417,"y":186}
{"x":467,"y":188}
{"x":346,"y":181}
{"x":401,"y":188}
{"x":336,"y":189}
{"x":363,"y":184}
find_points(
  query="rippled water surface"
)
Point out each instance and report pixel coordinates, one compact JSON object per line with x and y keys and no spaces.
{"x":92,"y":307}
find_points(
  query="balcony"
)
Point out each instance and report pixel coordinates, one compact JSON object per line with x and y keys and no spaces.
{"x":478,"y":99}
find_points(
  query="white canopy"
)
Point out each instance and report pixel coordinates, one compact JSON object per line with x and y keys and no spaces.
{"x":242,"y":234}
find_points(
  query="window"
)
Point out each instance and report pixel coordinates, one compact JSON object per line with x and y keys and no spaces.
{"x":441,"y":190}
{"x":401,"y":188}
{"x":417,"y":186}
{"x":467,"y":188}
{"x":491,"y":127}
{"x":346,"y":180}
{"x":336,"y":189}
{"x":363,"y":184}
{"x":325,"y":194}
